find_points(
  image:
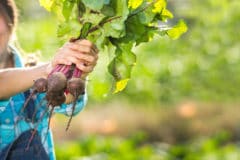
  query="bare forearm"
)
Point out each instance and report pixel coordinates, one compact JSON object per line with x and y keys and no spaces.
{"x":15,"y":80}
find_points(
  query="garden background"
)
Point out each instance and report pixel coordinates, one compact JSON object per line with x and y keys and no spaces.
{"x":182,"y":101}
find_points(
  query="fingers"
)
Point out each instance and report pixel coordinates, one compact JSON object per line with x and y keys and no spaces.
{"x":87,"y":52}
{"x":83,"y":53}
{"x":84,"y":46}
{"x":85,"y":68}
{"x":89,"y":44}
{"x":61,"y":57}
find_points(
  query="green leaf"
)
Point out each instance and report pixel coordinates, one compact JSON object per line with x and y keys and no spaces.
{"x":57,"y":8}
{"x":120,"y":85}
{"x":63,"y":29}
{"x":67,"y":8}
{"x":81,"y":8}
{"x":68,"y":29}
{"x":128,"y":57}
{"x":94,"y":18}
{"x":118,"y":25}
{"x":147,"y":16}
{"x":134,"y":3}
{"x":159,"y":5}
{"x":47,"y":4}
{"x":121,"y":66}
{"x":177,"y":30}
{"x":94,"y":4}
{"x":120,"y":7}
{"x":106,"y":1}
{"x":116,"y":28}
{"x":84,"y":31}
{"x":166,"y":14}
{"x":137,"y":32}
{"x":108,"y":11}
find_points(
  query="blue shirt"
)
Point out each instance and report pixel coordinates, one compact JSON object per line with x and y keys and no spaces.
{"x":13,"y":121}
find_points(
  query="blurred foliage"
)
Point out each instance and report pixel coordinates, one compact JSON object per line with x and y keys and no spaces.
{"x":135,"y":148}
{"x":36,"y":31}
{"x":202,"y":65}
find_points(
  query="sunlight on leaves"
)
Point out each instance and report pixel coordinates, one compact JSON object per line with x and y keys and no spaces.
{"x":177,"y":30}
{"x":120,"y":85}
{"x":159,"y":6}
{"x":47,"y":4}
{"x":124,"y":23}
{"x":134,"y":3}
{"x":166,"y":14}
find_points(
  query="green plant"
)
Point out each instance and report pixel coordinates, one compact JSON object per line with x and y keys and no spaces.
{"x":117,"y":25}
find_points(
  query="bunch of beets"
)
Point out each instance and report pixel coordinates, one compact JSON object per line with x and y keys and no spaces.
{"x":62,"y":84}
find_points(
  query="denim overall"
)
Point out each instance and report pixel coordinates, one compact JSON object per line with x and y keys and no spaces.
{"x":20,"y":149}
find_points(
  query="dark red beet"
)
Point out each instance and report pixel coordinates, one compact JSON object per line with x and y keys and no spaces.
{"x":55,"y":98}
{"x":40,"y":85}
{"x":76,"y":86}
{"x":57,"y":81}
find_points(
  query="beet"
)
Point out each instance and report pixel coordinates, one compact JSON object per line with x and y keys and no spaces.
{"x":63,"y":84}
{"x":55,"y":98}
{"x":63,"y":79}
{"x":76,"y":86}
{"x":57,"y":82}
{"x":39,"y":86}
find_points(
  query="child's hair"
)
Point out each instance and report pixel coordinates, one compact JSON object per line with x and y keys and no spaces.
{"x":8,"y":11}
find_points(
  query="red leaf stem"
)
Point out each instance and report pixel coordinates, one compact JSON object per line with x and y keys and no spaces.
{"x":57,"y":68}
{"x":77,"y":73}
{"x":65,"y":70}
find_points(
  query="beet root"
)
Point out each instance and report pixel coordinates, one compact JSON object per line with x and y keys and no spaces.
{"x":40,"y":85}
{"x":76,"y":86}
{"x":55,"y":98}
{"x":57,"y":82}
